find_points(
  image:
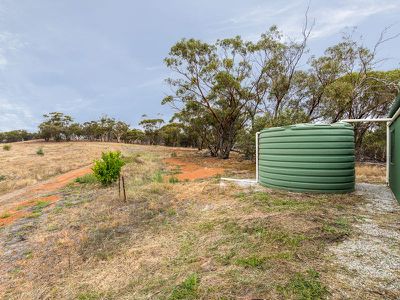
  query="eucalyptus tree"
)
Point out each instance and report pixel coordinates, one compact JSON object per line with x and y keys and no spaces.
{"x":231,"y":80}
{"x":55,"y":126}
{"x":151,"y":129}
{"x":120,"y":129}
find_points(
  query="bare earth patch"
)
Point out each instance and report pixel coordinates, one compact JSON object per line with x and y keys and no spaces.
{"x":369,"y":262}
{"x":191,"y":171}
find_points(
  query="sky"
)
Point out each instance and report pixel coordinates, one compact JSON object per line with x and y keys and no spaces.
{"x":89,"y":58}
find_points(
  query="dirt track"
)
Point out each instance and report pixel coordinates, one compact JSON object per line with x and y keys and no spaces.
{"x":12,"y":203}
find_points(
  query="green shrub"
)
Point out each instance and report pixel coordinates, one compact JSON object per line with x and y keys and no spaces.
{"x":7,"y":147}
{"x":88,"y":178}
{"x":40,"y":152}
{"x":108,"y":168}
{"x":173,"y":154}
{"x":2,"y":177}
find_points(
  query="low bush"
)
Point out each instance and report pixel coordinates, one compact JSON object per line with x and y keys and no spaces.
{"x":108,"y":168}
{"x":40,"y":152}
{"x":7,"y":147}
{"x":2,"y":177}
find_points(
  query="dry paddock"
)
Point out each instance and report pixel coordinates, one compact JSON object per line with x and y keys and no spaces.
{"x":187,"y":238}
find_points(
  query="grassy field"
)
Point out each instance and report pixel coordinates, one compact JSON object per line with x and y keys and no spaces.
{"x":171,"y":239}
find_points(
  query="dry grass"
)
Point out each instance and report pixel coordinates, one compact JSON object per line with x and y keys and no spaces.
{"x":370,"y":173}
{"x":21,"y":166}
{"x":187,"y":240}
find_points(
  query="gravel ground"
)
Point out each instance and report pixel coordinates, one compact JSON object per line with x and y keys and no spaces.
{"x":368,"y":263}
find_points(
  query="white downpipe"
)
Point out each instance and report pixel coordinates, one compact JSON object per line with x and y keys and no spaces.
{"x":257,"y":171}
{"x":388,"y":154}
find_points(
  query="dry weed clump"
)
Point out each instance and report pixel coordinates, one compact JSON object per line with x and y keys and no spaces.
{"x":371,"y":173}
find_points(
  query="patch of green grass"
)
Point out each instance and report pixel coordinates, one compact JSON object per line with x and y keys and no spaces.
{"x":206,"y":227}
{"x":5,"y":215}
{"x":173,"y":179}
{"x":7,"y":147}
{"x":171,"y":212}
{"x":187,"y":290}
{"x":157,"y":177}
{"x":304,"y":287}
{"x":273,"y":235}
{"x":338,"y":229}
{"x":225,"y":259}
{"x":34,"y":215}
{"x":40,"y":205}
{"x":89,"y":296}
{"x":28,"y":254}
{"x":251,"y":261}
{"x":40,"y":152}
{"x":58,"y":209}
{"x":86,"y":179}
{"x":52,"y":227}
{"x":275,"y":203}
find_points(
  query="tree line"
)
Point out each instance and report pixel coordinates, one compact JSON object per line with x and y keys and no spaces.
{"x":225,"y":92}
{"x":228,"y":90}
{"x":58,"y":126}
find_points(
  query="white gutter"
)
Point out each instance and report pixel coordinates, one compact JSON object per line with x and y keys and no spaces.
{"x":366,"y":120}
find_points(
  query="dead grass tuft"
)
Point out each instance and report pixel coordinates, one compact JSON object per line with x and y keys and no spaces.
{"x":371,"y":173}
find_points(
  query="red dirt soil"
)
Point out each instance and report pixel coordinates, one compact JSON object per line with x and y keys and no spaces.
{"x":12,"y":206}
{"x":191,"y":171}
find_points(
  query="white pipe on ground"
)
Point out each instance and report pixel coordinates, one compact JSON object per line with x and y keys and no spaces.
{"x":239,"y":180}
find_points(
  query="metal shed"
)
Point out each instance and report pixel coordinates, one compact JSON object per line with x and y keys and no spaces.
{"x":394,"y":148}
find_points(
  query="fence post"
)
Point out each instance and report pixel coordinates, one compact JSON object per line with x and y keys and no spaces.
{"x":123,"y":186}
{"x":119,"y":187}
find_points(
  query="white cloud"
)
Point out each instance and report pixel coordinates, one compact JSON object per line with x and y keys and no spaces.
{"x":332,"y":21}
{"x":330,"y":18}
{"x":15,"y":116}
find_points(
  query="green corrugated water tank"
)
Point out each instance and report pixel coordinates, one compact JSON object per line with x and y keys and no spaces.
{"x":308,"y":158}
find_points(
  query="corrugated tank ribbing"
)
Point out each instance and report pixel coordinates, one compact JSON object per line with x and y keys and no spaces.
{"x":308,"y":158}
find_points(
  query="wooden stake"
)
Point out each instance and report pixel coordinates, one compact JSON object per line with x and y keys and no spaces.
{"x":123,"y":186}
{"x":119,"y":187}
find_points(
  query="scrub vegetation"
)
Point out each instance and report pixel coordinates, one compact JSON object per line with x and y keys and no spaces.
{"x":174,"y":239}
